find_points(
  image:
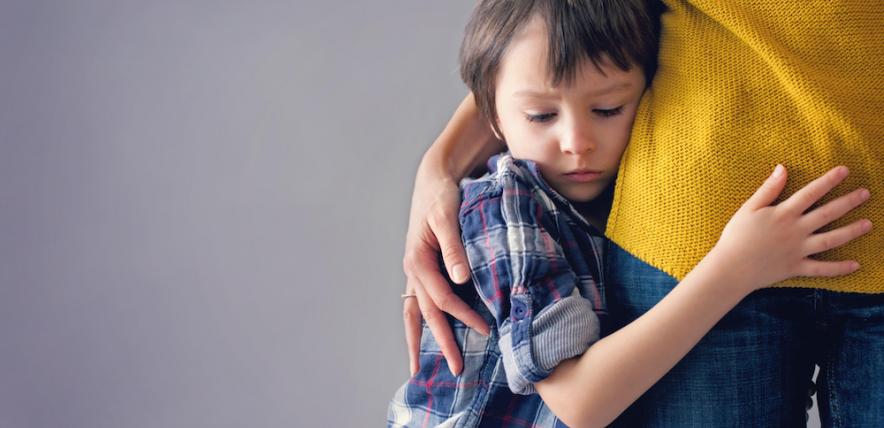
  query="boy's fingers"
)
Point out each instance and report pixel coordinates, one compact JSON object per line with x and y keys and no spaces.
{"x":838,"y":237}
{"x":816,"y":189}
{"x":817,"y":268}
{"x":441,"y":331}
{"x":447,"y":232}
{"x":835,"y":209}
{"x":769,"y":190}
{"x":411,"y":316}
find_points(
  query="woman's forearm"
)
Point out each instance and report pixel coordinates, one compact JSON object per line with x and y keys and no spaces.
{"x":593,"y":389}
{"x":464,"y":144}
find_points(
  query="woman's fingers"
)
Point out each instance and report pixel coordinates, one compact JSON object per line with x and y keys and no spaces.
{"x":835,"y":209}
{"x":441,"y":330}
{"x":817,"y":268}
{"x":820,"y":242}
{"x":443,"y":224}
{"x":434,"y":298}
{"x":423,"y":265}
{"x":769,"y":190}
{"x":813,"y":191}
{"x":411,"y":315}
{"x":439,"y":290}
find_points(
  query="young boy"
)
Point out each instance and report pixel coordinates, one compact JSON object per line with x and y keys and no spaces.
{"x":560,"y":82}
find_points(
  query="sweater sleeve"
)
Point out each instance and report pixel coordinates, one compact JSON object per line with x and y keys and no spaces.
{"x":523,"y":277}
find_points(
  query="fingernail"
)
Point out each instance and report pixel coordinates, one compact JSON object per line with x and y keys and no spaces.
{"x":867,"y":225}
{"x":460,"y":273}
{"x":864,"y":194}
{"x":843,"y":171}
{"x":778,"y":171}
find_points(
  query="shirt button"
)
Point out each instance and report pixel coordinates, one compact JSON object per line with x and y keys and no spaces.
{"x":519,"y":310}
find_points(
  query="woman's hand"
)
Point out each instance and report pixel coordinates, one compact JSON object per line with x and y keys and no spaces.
{"x":433,"y":228}
{"x":771,"y":243}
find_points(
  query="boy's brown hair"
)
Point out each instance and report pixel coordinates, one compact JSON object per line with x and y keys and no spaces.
{"x":623,"y":30}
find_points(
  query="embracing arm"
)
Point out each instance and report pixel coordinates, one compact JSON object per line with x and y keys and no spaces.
{"x":761,"y":245}
{"x":464,"y":145}
{"x":594,"y":388}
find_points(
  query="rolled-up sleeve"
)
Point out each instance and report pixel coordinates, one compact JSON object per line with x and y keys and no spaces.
{"x":521,"y":274}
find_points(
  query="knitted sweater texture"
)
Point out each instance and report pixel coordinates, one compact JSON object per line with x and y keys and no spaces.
{"x":741,"y":86}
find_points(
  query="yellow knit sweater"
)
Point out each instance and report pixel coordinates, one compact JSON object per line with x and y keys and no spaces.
{"x":743,"y":85}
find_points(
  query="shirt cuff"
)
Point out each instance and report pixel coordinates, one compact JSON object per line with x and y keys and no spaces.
{"x":560,"y":331}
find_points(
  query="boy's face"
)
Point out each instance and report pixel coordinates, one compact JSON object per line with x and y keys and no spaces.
{"x":575,"y":132}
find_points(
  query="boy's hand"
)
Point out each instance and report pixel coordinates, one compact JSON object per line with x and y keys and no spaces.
{"x":766,"y":244}
{"x":433,"y":228}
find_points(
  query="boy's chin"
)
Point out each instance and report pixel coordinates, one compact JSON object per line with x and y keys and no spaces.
{"x":582,"y":195}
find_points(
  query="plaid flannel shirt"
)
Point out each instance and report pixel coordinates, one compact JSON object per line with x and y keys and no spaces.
{"x":537,"y":278}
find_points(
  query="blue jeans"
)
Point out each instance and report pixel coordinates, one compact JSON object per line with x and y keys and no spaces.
{"x":754,"y":368}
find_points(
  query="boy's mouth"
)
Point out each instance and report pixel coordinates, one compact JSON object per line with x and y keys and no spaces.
{"x":583,"y":175}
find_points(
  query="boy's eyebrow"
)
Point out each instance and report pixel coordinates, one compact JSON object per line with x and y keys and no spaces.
{"x":527,"y":93}
{"x":612,"y":88}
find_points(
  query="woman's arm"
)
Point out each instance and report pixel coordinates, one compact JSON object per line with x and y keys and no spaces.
{"x":761,"y":245}
{"x":464,"y":145}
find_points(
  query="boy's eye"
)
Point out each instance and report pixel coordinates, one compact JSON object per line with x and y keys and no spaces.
{"x":608,"y":112}
{"x":542,"y":117}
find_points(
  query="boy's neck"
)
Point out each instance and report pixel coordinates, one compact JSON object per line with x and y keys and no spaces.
{"x":596,"y":211}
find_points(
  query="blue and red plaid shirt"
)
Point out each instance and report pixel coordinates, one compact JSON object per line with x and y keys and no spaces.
{"x":536,"y":269}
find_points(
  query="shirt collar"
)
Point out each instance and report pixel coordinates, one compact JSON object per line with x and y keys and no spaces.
{"x":534,"y":171}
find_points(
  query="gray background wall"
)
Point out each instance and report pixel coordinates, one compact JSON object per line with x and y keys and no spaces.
{"x":203,"y":205}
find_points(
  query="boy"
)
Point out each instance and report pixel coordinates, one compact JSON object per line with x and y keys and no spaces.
{"x":560,"y":83}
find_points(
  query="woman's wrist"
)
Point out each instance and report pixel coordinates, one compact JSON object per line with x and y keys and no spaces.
{"x":436,"y":165}
{"x":464,"y":144}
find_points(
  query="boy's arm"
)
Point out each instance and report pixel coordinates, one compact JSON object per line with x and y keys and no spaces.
{"x":761,"y":245}
{"x":593,"y":389}
{"x":432,"y":228}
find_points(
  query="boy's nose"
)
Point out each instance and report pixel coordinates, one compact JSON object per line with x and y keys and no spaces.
{"x":577,"y":140}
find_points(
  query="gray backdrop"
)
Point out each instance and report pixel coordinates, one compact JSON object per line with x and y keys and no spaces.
{"x":204,"y":206}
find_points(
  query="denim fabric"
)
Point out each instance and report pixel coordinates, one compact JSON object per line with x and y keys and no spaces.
{"x":755,"y":366}
{"x":849,"y":342}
